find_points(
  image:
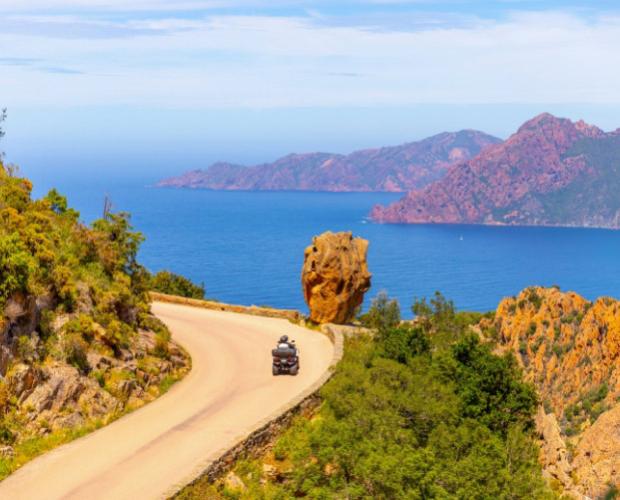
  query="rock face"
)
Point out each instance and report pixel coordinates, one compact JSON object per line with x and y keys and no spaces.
{"x":569,"y":348}
{"x":397,"y":168}
{"x":597,"y":457}
{"x":50,"y":394}
{"x":550,"y":172}
{"x":553,"y":452}
{"x":335,"y":277}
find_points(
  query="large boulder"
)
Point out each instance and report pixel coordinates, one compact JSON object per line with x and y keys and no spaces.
{"x":335,"y":277}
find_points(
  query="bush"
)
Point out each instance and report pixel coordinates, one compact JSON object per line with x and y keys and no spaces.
{"x":383,"y":313}
{"x":25,"y":349}
{"x":535,"y":299}
{"x":99,"y":376}
{"x":161,"y":348}
{"x":175,"y":284}
{"x":75,"y":349}
{"x":6,"y":435}
{"x":611,"y":493}
{"x":16,"y":265}
{"x":404,"y":342}
{"x":82,"y":326}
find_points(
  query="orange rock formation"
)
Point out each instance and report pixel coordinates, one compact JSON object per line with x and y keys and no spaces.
{"x":335,"y":277}
{"x":569,"y":348}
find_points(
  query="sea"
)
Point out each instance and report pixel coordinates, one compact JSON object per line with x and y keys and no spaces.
{"x":248,"y":247}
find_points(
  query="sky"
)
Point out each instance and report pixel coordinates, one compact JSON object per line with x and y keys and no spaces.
{"x":148,"y":88}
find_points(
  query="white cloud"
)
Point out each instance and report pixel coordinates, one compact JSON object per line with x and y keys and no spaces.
{"x":251,"y":61}
{"x":118,"y":5}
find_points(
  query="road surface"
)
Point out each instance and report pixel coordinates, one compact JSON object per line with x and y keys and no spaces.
{"x":229,"y":390}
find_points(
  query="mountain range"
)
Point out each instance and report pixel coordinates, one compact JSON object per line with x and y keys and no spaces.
{"x":551,"y":172}
{"x":397,"y":168}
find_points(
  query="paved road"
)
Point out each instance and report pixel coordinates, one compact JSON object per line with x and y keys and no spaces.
{"x":229,"y":390}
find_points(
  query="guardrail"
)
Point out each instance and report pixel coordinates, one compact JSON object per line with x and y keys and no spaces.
{"x":268,"y":312}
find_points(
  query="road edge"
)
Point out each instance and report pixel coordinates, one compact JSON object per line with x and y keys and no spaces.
{"x":263,"y":433}
{"x":268,"y":312}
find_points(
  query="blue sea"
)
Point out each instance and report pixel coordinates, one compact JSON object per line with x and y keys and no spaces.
{"x":247,"y":247}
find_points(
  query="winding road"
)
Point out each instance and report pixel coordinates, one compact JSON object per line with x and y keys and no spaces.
{"x":149,"y":453}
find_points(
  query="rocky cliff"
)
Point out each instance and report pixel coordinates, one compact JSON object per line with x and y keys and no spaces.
{"x":398,"y":168}
{"x":569,"y":348}
{"x":550,"y":172}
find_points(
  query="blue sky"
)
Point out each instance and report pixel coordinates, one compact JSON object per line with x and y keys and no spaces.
{"x":163,"y":86}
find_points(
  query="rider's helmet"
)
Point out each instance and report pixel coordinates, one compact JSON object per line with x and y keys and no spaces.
{"x":283,"y":339}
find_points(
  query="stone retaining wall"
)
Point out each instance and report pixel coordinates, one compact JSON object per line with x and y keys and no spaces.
{"x":269,"y":312}
{"x":265,"y":433}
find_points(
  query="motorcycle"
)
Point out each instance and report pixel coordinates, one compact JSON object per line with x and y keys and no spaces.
{"x":285,"y":359}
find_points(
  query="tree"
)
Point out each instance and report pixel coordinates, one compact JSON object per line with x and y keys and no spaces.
{"x":384,"y":313}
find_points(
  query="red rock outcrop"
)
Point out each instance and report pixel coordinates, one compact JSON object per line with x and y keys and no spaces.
{"x":544,"y":174}
{"x":396,"y":168}
{"x":335,"y":277}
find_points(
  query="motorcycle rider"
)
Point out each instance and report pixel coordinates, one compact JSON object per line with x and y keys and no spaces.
{"x":284,"y":343}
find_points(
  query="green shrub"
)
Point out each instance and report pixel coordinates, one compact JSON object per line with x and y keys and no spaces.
{"x":25,"y":348}
{"x":175,"y":284}
{"x":75,"y":349}
{"x":99,"y":376}
{"x":383,"y":313}
{"x":161,"y":348}
{"x":611,"y":493}
{"x":16,"y":265}
{"x":6,"y":435}
{"x":535,"y":299}
{"x":83,"y":326}
{"x":401,"y":343}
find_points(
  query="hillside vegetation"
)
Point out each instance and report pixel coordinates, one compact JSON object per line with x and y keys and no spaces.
{"x":420,"y":411}
{"x":78,"y":345}
{"x":174,"y":284}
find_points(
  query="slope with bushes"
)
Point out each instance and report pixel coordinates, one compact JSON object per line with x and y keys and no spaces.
{"x":175,"y":284}
{"x":78,"y":345}
{"x":421,"y":410}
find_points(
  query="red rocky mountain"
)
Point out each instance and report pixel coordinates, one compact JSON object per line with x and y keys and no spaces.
{"x":397,"y":168}
{"x":552,"y":171}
